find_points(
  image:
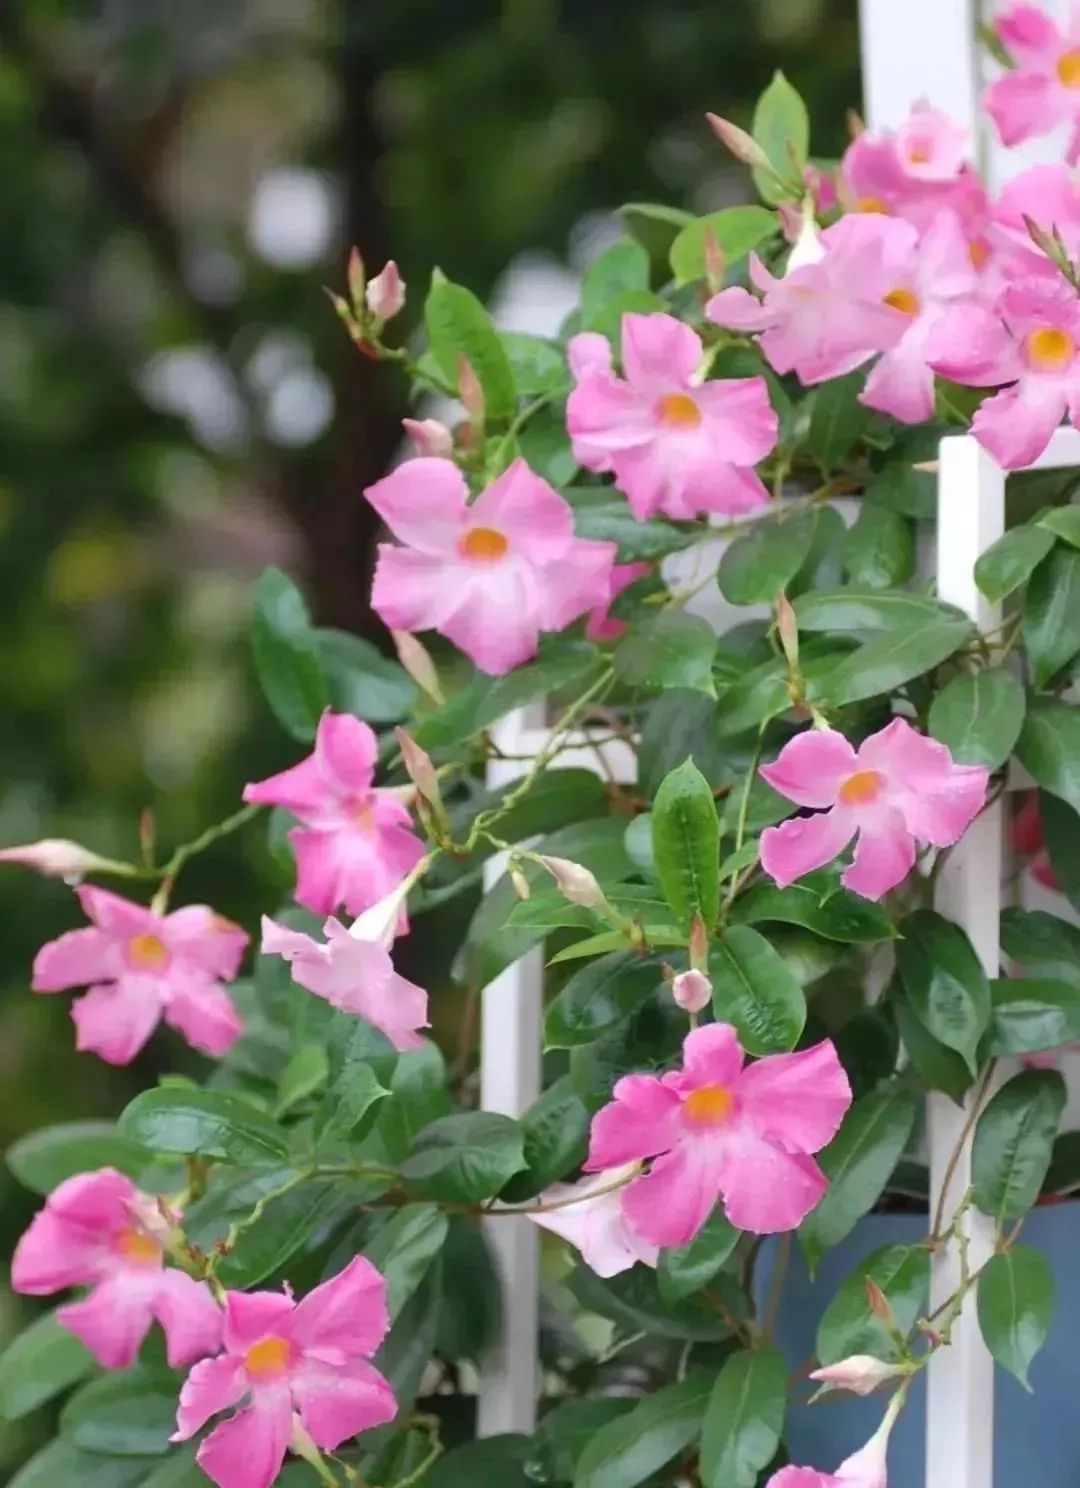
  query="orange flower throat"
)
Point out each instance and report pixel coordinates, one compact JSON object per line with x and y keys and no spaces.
{"x":679,"y":411}
{"x":269,"y":1356}
{"x":148,"y":953}
{"x":483,"y":545}
{"x":709,"y":1105}
{"x":861,"y":788}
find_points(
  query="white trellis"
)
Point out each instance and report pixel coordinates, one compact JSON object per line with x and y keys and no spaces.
{"x":911,"y":49}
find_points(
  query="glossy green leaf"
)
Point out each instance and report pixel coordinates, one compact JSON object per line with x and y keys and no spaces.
{"x":1043,"y":944}
{"x":1016,"y":1307}
{"x":621,"y":268}
{"x":459,"y":327}
{"x":685,"y":1270}
{"x":1049,"y":747}
{"x":661,"y":1427}
{"x":43,"y":1159}
{"x":1061,"y":833}
{"x":781,"y":126}
{"x":837,"y":420}
{"x":879,"y":550}
{"x":303,"y":1075}
{"x":282,"y":1227}
{"x":886,"y":662}
{"x":40,"y":1362}
{"x":497,"y":1460}
{"x":820,"y":905}
{"x":61,"y":1465}
{"x":404,"y":1249}
{"x":758,"y":565}
{"x":856,"y":608}
{"x":539,"y":366}
{"x":849,"y":1324}
{"x":464,"y":1158}
{"x":287,"y":656}
{"x":598,"y":997}
{"x":565,"y":1432}
{"x":686,"y":844}
{"x":1012,"y":560}
{"x":654,"y":225}
{"x":361,"y":680}
{"x":634,"y":1302}
{"x":979,"y":716}
{"x":601,"y":519}
{"x":938,"y":1067}
{"x":1051,"y":624}
{"x":737,"y":230}
{"x":754,"y":989}
{"x":1030,"y":1015}
{"x":672,"y":649}
{"x":944,"y":981}
{"x":130,"y":1413}
{"x":744,"y":1418}
{"x":1013,"y":1142}
{"x":203,"y":1123}
{"x":1063,"y":522}
{"x":555,"y":1132}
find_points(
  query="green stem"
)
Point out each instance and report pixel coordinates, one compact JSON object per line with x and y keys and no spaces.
{"x":740,"y":825}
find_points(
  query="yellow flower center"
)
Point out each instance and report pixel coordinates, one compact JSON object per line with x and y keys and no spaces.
{"x":148,"y":953}
{"x":269,"y":1356}
{"x":679,"y":410}
{"x":861,"y":788}
{"x":483,"y":545}
{"x":1068,"y":68}
{"x":978,"y":252}
{"x":871,"y":204}
{"x":710,"y":1105}
{"x":903,"y":300}
{"x":1049,"y":349}
{"x":133,"y":1245}
{"x":921,"y":152}
{"x":363,"y":816}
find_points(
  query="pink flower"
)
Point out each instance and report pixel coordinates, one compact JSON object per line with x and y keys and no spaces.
{"x":861,"y":1374}
{"x":490,"y":575}
{"x":1043,"y":89}
{"x":717,"y":1130}
{"x":692,"y":991}
{"x":429,"y":437}
{"x":353,"y":844}
{"x":601,"y":626}
{"x":595,"y":1224}
{"x":897,"y":789}
{"x":1050,"y":196}
{"x":142,"y":967}
{"x":289,"y":1360}
{"x":909,"y":170}
{"x":98,"y":1230}
{"x":354,"y":974}
{"x":385,"y":294}
{"x":1030,"y":342}
{"x":866,"y":1469}
{"x":674,"y":444}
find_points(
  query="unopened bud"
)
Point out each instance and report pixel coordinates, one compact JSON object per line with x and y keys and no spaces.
{"x":1040,"y":237}
{"x":471,"y":393}
{"x":742,"y":145}
{"x":860,"y":1374}
{"x":56,"y":857}
{"x":520,"y":883}
{"x":699,"y":943}
{"x":856,"y":125}
{"x":787,"y":627}
{"x":714,"y":260}
{"x":416,"y":659}
{"x":791,"y":221}
{"x":692,"y":990}
{"x":419,"y":769}
{"x":575,"y":882}
{"x":878,"y":1302}
{"x":429,"y":437}
{"x":346,"y":316}
{"x":385,"y":294}
{"x":356,"y":276}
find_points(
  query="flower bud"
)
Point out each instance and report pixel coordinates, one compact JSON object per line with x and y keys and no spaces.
{"x":787,"y":628}
{"x":699,"y":943}
{"x":520,"y":883}
{"x":692,"y":990}
{"x":429,"y":437}
{"x":714,"y":260}
{"x":416,"y":659}
{"x":56,"y":857}
{"x":356,"y":276}
{"x":575,"y":882}
{"x":419,"y":769}
{"x":741,"y":144}
{"x":860,"y":1374}
{"x":471,"y":393}
{"x":385,"y":294}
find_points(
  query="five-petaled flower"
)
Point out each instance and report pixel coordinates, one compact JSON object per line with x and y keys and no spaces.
{"x":1042,"y":90}
{"x":589,"y":1215}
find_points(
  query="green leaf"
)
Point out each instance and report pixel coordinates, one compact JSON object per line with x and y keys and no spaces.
{"x":904,"y":490}
{"x":494,"y":1459}
{"x":858,"y":1163}
{"x":754,"y":989}
{"x":464,"y":1158}
{"x":203,"y":1123}
{"x":686,"y":844}
{"x":1042,"y":943}
{"x":404,"y":1249}
{"x":458,"y":326}
{"x":857,"y":609}
{"x":685,"y":1270}
{"x":879,"y":550}
{"x":632,"y":1448}
{"x":555,"y":1129}
{"x":1051,"y":624}
{"x":939,"y":1068}
{"x":304,"y":1074}
{"x":361,"y":680}
{"x":758,"y":565}
{"x":598,"y":997}
{"x":1012,"y":560}
{"x":673,"y":649}
{"x":1061,"y":833}
{"x":60,"y":1465}
{"x":284,"y":1225}
{"x":351,"y":1103}
{"x":42,"y":1361}
{"x":888,"y":661}
{"x":1049,"y":747}
{"x":1013,"y":1143}
{"x":850,"y":1326}
{"x":821,"y":906}
{"x":632,"y":1299}
{"x":1016,"y":1307}
{"x":744,"y":1419}
{"x":599,"y":518}
{"x":620,"y":269}
{"x":565,"y":1432}
{"x":180,"y":1470}
{"x":131,"y":1413}
{"x":1031,"y":1015}
{"x":944,"y":981}
{"x":737,"y":230}
{"x":837,"y":420}
{"x":287,"y":656}
{"x":1063,"y":522}
{"x":979,"y":717}
{"x":42,"y":1160}
{"x":654,"y":225}
{"x":781,"y":126}
{"x":539,"y":366}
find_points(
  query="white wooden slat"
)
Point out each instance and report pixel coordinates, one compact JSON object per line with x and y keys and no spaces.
{"x":914,"y":49}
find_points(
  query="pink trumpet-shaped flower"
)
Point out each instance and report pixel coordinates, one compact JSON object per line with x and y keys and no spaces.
{"x":385,"y":294}
{"x":98,"y":1230}
{"x":590,"y":1217}
{"x":353,"y":844}
{"x":293,"y":1363}
{"x":490,"y":575}
{"x":1042,"y":90}
{"x":715,"y":1129}
{"x":142,"y":967}
{"x":868,"y":1468}
{"x":862,"y":1374}
{"x":354,"y":974}
{"x":1031,"y":344}
{"x":674,"y":444}
{"x":898,"y":789}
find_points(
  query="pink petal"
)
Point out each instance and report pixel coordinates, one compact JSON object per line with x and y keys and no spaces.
{"x":249,"y":1316}
{"x":346,"y":751}
{"x":115,"y":1022}
{"x":423,"y":503}
{"x":247,"y":1450}
{"x":797,"y":847}
{"x":301,"y":789}
{"x":521,"y":505}
{"x":884,"y":856}
{"x":671,"y":1203}
{"x":115,"y":915}
{"x":69,"y":1241}
{"x":75,"y":960}
{"x":112,"y":1321}
{"x":346,"y":1312}
{"x":641,"y":1120}
{"x":605,"y":415}
{"x":212,"y":1386}
{"x":350,"y":866}
{"x":658,"y":352}
{"x":970,"y":344}
{"x":98,"y":1202}
{"x":939,"y":800}
{"x":811,"y":767}
{"x":595,"y":1224}
{"x":205,"y":1014}
{"x":190,"y":1318}
{"x":205,"y":940}
{"x":767,"y":1190}
{"x":338,"y":1401}
{"x":588,"y":352}
{"x":802,"y":1477}
{"x":1030,"y":36}
{"x":578,"y":582}
{"x":712,"y":1055}
{"x":1023,"y":105}
{"x":413,"y":591}
{"x":1016,"y":425}
{"x":739,"y":310}
{"x":740,"y":420}
{"x":902,"y":384}
{"x":796,"y":1101}
{"x":497,"y":619}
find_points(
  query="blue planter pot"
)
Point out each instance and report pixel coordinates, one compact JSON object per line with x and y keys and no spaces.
{"x":1036,"y":1436}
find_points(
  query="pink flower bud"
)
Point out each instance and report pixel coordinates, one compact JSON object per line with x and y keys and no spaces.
{"x":741,"y":144}
{"x":861,"y":1374}
{"x":692,"y":990}
{"x":385,"y":294}
{"x":419,"y":768}
{"x":787,"y":628}
{"x":429,"y":437}
{"x":56,"y":857}
{"x":575,"y":882}
{"x":356,"y":275}
{"x":470,"y":392}
{"x":416,"y":659}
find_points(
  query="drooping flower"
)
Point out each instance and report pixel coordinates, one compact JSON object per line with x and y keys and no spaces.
{"x":353,"y":844}
{"x":715,"y":1129}
{"x":289,"y":1361}
{"x":355,"y":974}
{"x":590,"y":1217}
{"x":490,"y":575}
{"x":142,"y":967}
{"x":1043,"y":89}
{"x":897,"y":789}
{"x":868,"y":1468}
{"x":57,"y":857}
{"x":859,"y":1373}
{"x":674,"y":444}
{"x":97,"y":1230}
{"x":601,"y":625}
{"x":1030,"y":347}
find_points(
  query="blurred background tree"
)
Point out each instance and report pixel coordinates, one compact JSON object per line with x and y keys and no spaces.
{"x":179,"y":406}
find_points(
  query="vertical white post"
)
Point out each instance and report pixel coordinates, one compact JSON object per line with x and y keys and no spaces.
{"x":510,"y":1018}
{"x":900,"y":65}
{"x":960,"y":1387}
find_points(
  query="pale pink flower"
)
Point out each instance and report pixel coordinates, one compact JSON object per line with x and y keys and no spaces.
{"x":692,"y":991}
{"x":355,"y":974}
{"x":576,"y":882}
{"x":492,"y":574}
{"x":1048,"y":195}
{"x":142,"y":967}
{"x":715,"y":1129}
{"x":57,"y":857}
{"x":595,"y":1224}
{"x":429,"y":437}
{"x":1042,"y":90}
{"x":897,"y":789}
{"x":385,"y":294}
{"x":294,"y":1364}
{"x":353,"y":844}
{"x":1031,"y":342}
{"x":868,"y":1468}
{"x":601,"y":626}
{"x":98,"y":1231}
{"x":674,"y":444}
{"x":860,"y":1373}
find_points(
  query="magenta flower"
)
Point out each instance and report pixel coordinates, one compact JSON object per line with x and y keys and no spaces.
{"x":1031,"y":342}
{"x":490,"y":574}
{"x":898,"y":789}
{"x":596,"y":1224}
{"x":296,"y":1364}
{"x":98,"y":1230}
{"x":866,"y":1469}
{"x":353,"y":844}
{"x":1043,"y":89}
{"x":1050,"y":196}
{"x":142,"y":967}
{"x":601,"y":626}
{"x":674,"y":444}
{"x":912,"y":171}
{"x":355,"y":975}
{"x":718,"y":1130}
